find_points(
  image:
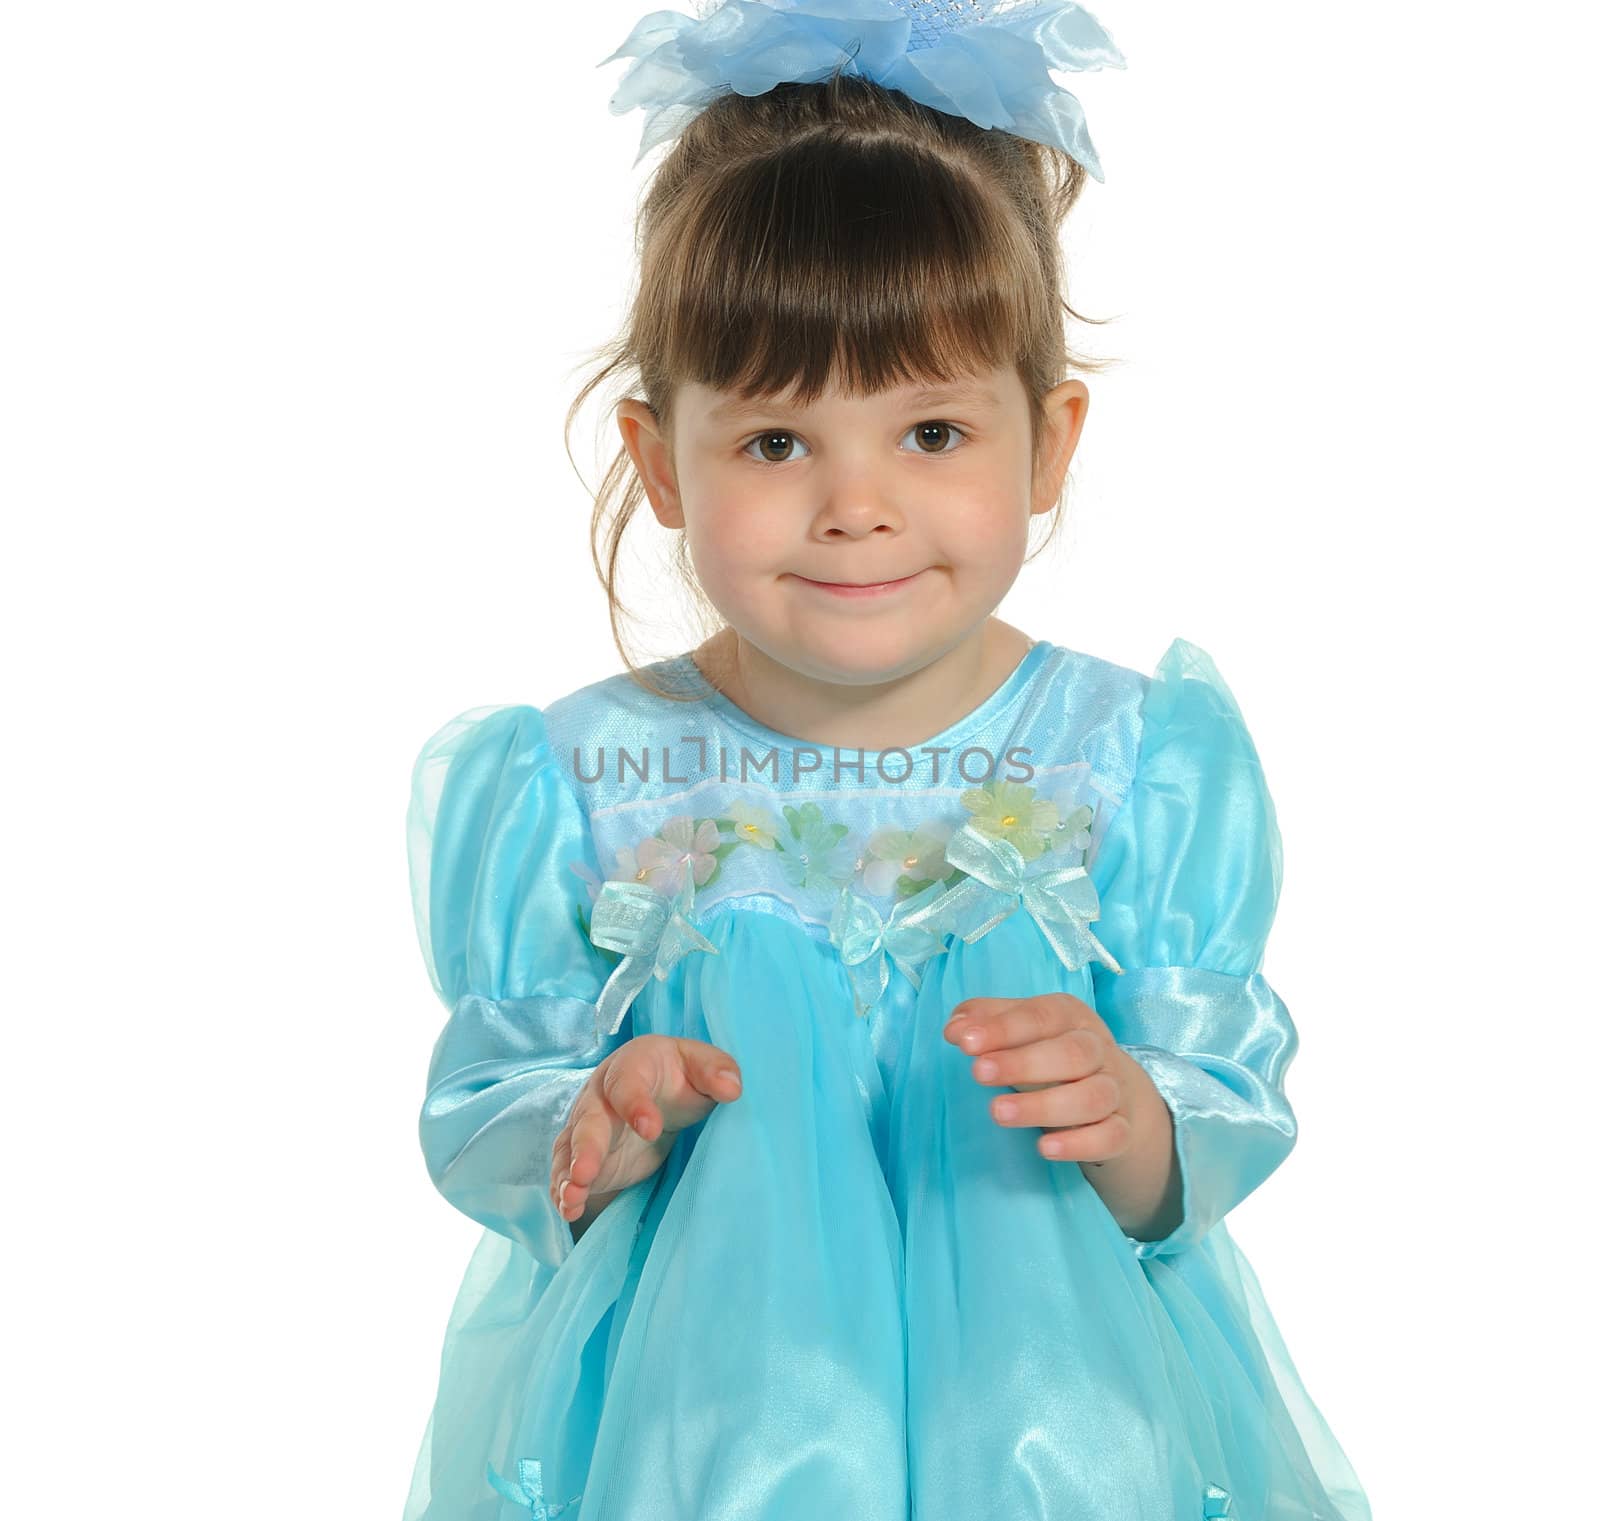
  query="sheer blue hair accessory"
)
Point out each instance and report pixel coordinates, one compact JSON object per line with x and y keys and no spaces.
{"x":986,"y":60}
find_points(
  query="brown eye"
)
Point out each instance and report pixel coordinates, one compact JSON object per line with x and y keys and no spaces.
{"x":935,"y":433}
{"x":772,"y":446}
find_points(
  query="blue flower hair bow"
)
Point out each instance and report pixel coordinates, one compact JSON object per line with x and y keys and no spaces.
{"x":652,"y":931}
{"x":986,"y":60}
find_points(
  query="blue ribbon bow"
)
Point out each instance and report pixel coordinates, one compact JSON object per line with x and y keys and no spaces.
{"x":987,"y":62}
{"x":651,"y":930}
{"x":1061,"y":899}
{"x":910,"y":936}
{"x":528,"y":1491}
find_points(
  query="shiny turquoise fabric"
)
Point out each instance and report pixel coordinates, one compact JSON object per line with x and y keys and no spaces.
{"x":851,"y":1292}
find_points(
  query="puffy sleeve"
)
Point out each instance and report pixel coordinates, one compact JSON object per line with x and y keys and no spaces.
{"x":1188,"y":873}
{"x":494,"y":828}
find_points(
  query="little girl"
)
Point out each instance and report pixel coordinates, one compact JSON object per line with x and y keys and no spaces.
{"x":856,"y":1027}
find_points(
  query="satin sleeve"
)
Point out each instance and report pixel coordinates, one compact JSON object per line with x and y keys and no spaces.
{"x":1188,"y":874}
{"x":494,"y":829}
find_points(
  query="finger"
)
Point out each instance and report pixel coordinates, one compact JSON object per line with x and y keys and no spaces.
{"x":711,"y":1070}
{"x":1061,"y":1058}
{"x":969,"y":1018}
{"x":569,"y":1197}
{"x":560,"y":1161}
{"x":629,"y":1089}
{"x":593,"y":1127}
{"x":1085,"y":1102}
{"x":1099,"y":1142}
{"x":985,"y":1024}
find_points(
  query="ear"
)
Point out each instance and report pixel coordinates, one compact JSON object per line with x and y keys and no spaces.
{"x":651,"y":452}
{"x":1065,"y":409}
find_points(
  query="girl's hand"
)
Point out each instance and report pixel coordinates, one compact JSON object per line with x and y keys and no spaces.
{"x":629,"y":1112}
{"x":1072,"y":1075}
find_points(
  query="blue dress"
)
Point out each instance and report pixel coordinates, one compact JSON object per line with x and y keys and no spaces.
{"x":851,"y":1292}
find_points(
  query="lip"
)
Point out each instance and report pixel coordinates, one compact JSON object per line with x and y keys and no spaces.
{"x":867,"y":589}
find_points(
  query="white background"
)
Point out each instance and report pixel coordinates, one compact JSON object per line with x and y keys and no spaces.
{"x":295,"y":299}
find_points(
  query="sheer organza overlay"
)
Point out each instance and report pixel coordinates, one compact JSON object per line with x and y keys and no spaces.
{"x":851,"y":1291}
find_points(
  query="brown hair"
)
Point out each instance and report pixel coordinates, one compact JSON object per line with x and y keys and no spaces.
{"x":834,"y":227}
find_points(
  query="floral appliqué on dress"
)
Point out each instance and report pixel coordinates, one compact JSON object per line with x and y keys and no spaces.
{"x":942,"y":877}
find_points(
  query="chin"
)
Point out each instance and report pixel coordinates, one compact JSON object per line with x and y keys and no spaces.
{"x":861,"y":657}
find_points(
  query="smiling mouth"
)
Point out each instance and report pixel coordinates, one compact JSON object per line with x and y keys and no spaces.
{"x":861,"y":585}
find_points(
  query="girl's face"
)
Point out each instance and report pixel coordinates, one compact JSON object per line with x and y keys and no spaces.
{"x":857,"y":539}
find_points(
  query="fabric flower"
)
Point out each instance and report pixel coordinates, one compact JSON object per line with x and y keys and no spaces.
{"x":813,"y":855}
{"x":590,"y":881}
{"x":1010,"y":811}
{"x":681,"y":846}
{"x":753,"y":824}
{"x":917,"y":856}
{"x":1072,"y":832}
{"x":627,"y":868}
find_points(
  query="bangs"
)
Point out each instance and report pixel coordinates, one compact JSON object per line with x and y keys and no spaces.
{"x":833,"y":235}
{"x":868,"y":262}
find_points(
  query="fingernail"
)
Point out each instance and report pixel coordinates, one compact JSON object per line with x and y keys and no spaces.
{"x":728,"y":1073}
{"x":561,"y":1194}
{"x":972,"y":1039}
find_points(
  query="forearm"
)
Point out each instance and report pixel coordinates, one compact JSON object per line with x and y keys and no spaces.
{"x":502,"y":1081}
{"x":1143,"y":1187}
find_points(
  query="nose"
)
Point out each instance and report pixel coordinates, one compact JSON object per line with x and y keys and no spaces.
{"x":855,"y":508}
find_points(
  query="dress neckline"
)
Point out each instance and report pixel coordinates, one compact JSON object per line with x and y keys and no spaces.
{"x":990,"y":708}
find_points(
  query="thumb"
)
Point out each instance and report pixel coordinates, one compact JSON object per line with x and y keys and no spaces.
{"x":711,"y":1070}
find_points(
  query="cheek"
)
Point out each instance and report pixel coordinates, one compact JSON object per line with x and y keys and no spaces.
{"x":981,"y":528}
{"x":729,"y":540}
